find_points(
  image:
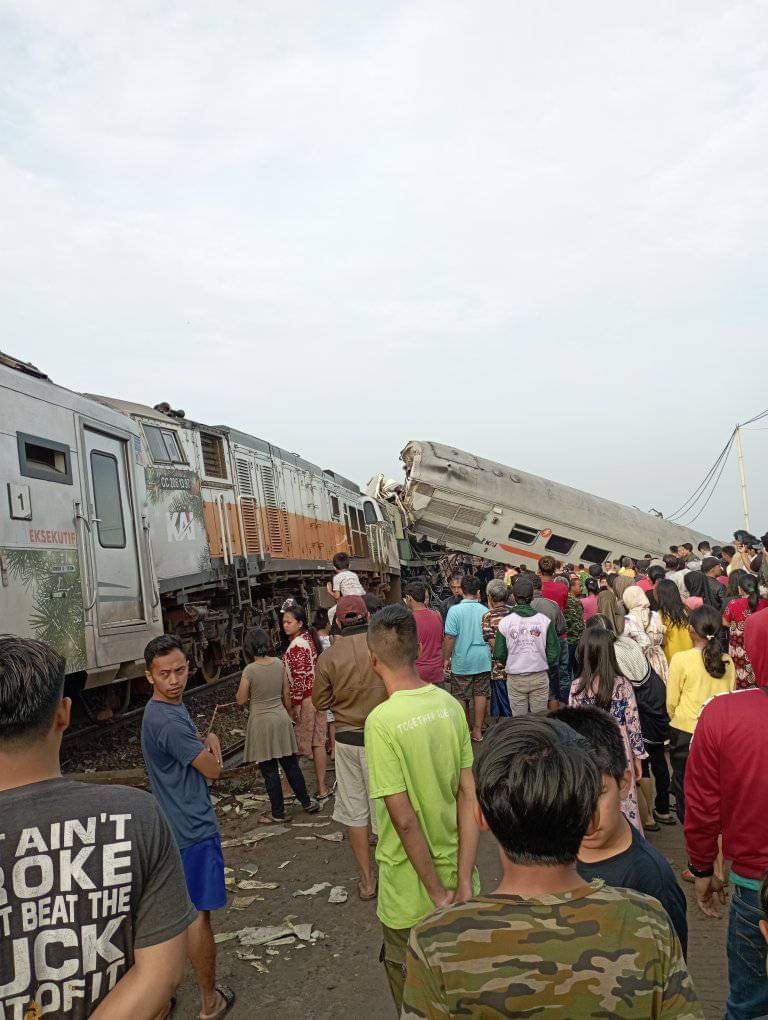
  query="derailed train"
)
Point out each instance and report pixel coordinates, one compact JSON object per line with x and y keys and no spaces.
{"x":123,"y":521}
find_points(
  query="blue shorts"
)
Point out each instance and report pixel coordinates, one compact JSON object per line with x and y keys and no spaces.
{"x":204,"y":871}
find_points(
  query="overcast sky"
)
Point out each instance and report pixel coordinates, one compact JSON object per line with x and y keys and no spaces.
{"x":533,"y":230}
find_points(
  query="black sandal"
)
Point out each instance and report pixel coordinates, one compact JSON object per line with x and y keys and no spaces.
{"x":229,"y":1000}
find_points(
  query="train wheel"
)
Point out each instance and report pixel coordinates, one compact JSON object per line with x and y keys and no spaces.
{"x":211,"y":664}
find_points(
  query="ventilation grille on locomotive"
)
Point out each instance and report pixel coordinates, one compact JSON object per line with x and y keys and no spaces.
{"x":248,"y":508}
{"x":278,"y":537}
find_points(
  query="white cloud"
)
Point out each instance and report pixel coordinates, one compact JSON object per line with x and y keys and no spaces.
{"x":537,"y":231}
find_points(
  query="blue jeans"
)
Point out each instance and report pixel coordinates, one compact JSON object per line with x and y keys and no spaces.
{"x":748,"y":993}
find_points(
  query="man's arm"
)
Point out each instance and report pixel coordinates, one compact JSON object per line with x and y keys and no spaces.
{"x":500,"y":648}
{"x":448,"y":642}
{"x":552,"y":646}
{"x":322,"y":695}
{"x":469,"y":834}
{"x":208,"y":762}
{"x":408,"y":829}
{"x":146,"y":988}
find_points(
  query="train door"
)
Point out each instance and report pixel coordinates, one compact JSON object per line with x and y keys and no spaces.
{"x":115,"y":575}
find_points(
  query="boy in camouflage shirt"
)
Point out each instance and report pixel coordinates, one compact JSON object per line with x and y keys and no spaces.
{"x":545,"y":943}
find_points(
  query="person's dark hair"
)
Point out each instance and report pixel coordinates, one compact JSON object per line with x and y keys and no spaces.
{"x":341,"y":561}
{"x":748,"y":584}
{"x":670,"y":604}
{"x":538,"y":789}
{"x":674,"y":549}
{"x":320,"y":618}
{"x":602,"y":622}
{"x":670,"y":562}
{"x":470,"y":584}
{"x":592,"y":585}
{"x":256,"y":644}
{"x":656,"y":573}
{"x":561,"y":579}
{"x":547,"y":566}
{"x":299,"y":614}
{"x":626,"y":561}
{"x":702,"y":546}
{"x":597,"y":666}
{"x":162,"y":645}
{"x":711,"y":563}
{"x":602,"y":734}
{"x":708,"y":624}
{"x":730,"y":549}
{"x":734,"y":583}
{"x":392,"y":637}
{"x":31,"y":687}
{"x":642,"y":565}
{"x":417,"y":591}
{"x":457,"y":576}
{"x":717,"y":550}
{"x":695,"y":583}
{"x":688,"y":546}
{"x":373,"y":602}
{"x":595,"y":570}
{"x":537,"y":582}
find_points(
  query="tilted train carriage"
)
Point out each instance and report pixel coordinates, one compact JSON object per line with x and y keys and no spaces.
{"x":122,"y":521}
{"x":458,"y":501}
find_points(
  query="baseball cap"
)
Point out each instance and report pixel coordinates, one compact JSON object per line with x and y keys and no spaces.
{"x":522,"y":587}
{"x":709,"y":563}
{"x":351,"y":607}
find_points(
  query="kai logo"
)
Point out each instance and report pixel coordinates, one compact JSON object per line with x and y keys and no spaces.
{"x":181,"y":526}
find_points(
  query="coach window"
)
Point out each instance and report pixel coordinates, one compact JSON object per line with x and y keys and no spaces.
{"x":370,"y":512}
{"x":522,"y":533}
{"x":335,"y":508}
{"x":559,"y":544}
{"x":44,"y":459}
{"x":213,"y":455}
{"x":163,"y":445}
{"x":594,"y":555}
{"x":106,"y":498}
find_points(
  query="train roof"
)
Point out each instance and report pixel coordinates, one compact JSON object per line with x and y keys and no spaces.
{"x":531,"y":493}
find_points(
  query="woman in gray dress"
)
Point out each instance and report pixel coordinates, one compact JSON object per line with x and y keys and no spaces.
{"x":270,"y":740}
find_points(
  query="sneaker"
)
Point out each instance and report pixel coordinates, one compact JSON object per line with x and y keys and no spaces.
{"x":313,"y":807}
{"x":687,"y":875}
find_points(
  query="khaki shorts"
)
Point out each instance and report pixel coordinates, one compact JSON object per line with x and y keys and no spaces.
{"x":474,"y":685}
{"x":311,"y":727}
{"x":352,"y":806}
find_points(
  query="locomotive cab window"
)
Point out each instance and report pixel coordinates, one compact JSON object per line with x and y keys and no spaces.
{"x":107,"y":500}
{"x":369,"y":510}
{"x":522,"y":533}
{"x":592,"y":554}
{"x":163,"y":445}
{"x":213,"y":455}
{"x":44,"y":459}
{"x":559,"y":544}
{"x":335,"y":508}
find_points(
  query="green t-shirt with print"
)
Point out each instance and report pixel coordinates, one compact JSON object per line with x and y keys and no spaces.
{"x":417,"y":742}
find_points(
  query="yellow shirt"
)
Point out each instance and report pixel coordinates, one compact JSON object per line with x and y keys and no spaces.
{"x":676,"y":639}
{"x":689,"y":686}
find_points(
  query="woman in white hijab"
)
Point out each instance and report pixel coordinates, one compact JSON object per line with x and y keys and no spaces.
{"x":644,"y":626}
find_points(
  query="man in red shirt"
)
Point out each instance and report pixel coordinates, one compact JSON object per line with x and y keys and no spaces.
{"x":550,"y":589}
{"x":726,"y":791}
{"x":429,"y":628}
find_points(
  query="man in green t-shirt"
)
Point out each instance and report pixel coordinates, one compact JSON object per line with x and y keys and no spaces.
{"x":420,"y":768}
{"x":545,"y":943}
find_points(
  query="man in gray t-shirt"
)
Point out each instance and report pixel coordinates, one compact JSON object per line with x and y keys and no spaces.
{"x":93,"y":903}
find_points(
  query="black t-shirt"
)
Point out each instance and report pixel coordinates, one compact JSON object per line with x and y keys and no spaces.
{"x":88,"y":874}
{"x":641,"y":867}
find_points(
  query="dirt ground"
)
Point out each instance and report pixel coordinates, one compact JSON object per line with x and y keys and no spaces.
{"x":340,"y":974}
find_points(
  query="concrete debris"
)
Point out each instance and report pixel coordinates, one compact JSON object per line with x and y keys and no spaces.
{"x":303,"y":931}
{"x":259,"y":966}
{"x":306,"y":839}
{"x":331,"y":837}
{"x":254,"y":883}
{"x":287,"y":940}
{"x":338,"y":894}
{"x":273,"y":952}
{"x":244,"y":955}
{"x":316,"y":936}
{"x":225,"y":936}
{"x":311,"y":825}
{"x":262,"y":936}
{"x":225,"y":808}
{"x":283,"y":865}
{"x":313,"y":890}
{"x":241,"y":902}
{"x":249,"y":869}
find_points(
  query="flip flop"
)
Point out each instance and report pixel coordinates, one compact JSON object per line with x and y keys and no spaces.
{"x":228,"y":996}
{"x":669,"y":820}
{"x":324,"y":798}
{"x":273,"y":819}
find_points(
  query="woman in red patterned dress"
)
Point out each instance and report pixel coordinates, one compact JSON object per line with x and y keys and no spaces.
{"x":309,"y":724}
{"x":737,"y":612}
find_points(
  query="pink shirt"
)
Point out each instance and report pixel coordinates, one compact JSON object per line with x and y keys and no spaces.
{"x":589,"y":605}
{"x":694,"y":601}
{"x":429,"y":627}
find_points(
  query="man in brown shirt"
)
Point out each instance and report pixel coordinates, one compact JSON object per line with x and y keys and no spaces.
{"x":346,"y":683}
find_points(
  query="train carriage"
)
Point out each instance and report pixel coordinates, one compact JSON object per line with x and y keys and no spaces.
{"x":458,"y":501}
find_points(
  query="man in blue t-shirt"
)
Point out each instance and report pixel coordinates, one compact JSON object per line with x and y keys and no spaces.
{"x":180,"y":763}
{"x":467,"y":655}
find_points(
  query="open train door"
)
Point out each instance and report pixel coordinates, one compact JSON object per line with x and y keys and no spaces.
{"x":116,"y":606}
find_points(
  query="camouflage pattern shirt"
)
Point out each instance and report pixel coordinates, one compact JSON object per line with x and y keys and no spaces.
{"x":596,"y":952}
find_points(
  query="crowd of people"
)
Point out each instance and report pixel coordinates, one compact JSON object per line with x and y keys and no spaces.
{"x":567,"y":710}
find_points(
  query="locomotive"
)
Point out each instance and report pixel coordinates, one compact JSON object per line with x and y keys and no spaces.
{"x":124,"y":521}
